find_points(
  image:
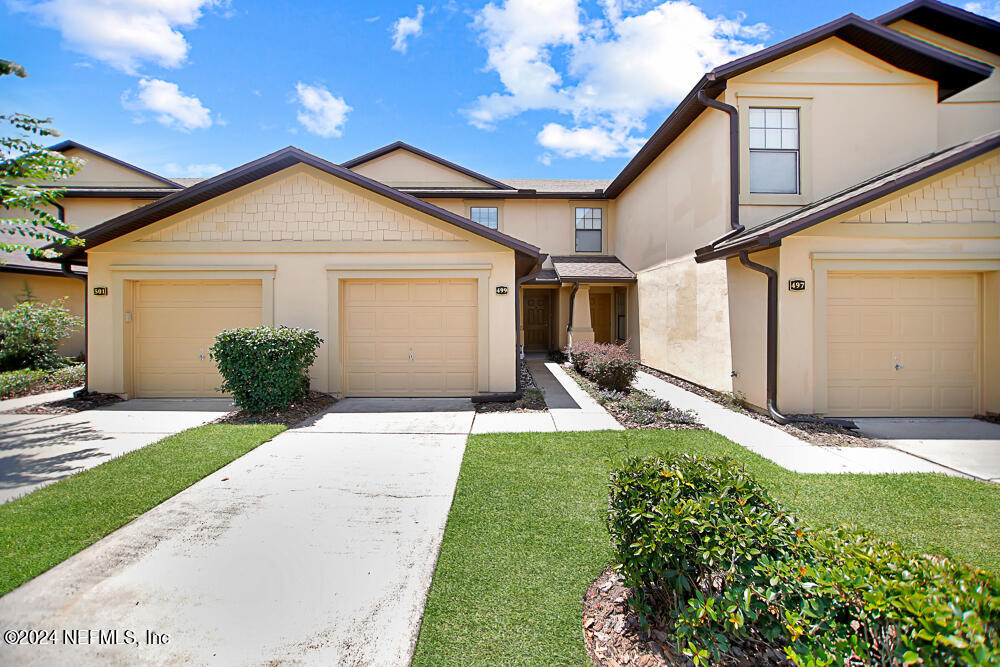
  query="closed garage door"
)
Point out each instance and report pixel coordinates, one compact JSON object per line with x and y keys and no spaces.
{"x":175,"y":322}
{"x":903,"y":344}
{"x":409,"y":337}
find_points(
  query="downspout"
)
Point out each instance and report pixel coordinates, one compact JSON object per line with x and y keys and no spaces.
{"x":771,"y":274}
{"x":569,"y":326}
{"x":772,"y":351}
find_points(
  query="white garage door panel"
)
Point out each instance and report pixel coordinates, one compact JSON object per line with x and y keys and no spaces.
{"x":384,"y":321}
{"x":175,"y":322}
{"x":926,"y":323}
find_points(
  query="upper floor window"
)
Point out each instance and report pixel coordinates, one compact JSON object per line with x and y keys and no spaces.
{"x":487,"y":216}
{"x":774,"y":151}
{"x":588,"y":229}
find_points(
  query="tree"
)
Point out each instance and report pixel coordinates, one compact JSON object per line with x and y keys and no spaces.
{"x":23,"y":165}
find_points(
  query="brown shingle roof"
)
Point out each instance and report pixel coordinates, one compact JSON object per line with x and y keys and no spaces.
{"x":577,"y":268}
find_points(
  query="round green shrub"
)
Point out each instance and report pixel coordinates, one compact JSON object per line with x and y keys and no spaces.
{"x":265,"y":367}
{"x":30,"y":333}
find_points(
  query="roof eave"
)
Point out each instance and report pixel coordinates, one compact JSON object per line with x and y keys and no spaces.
{"x":63,"y":146}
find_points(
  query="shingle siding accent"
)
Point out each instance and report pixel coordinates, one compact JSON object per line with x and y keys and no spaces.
{"x":971,"y":195}
{"x":301,"y":207}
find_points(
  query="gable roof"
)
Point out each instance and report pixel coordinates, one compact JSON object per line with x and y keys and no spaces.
{"x":64,"y":146}
{"x":973,"y":29}
{"x":399,"y":145}
{"x":770,"y":233}
{"x":253,"y":171}
{"x":952,"y":72}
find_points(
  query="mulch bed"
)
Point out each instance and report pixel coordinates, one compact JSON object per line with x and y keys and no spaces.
{"x":313,"y":404}
{"x":818,"y":434}
{"x":533,"y":400}
{"x":612,"y":635}
{"x":68,"y":406}
{"x":623,"y":416}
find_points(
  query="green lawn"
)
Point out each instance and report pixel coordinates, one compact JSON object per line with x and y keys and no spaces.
{"x":46,"y":527}
{"x":526,"y":537}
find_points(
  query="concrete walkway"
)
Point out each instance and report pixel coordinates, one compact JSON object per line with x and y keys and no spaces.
{"x":9,"y":404}
{"x":317,"y":547}
{"x":783,"y":448}
{"x":971,"y":446}
{"x":570,"y":407}
{"x":39,"y":449}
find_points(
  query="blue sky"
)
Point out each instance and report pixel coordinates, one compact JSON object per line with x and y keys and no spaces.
{"x":513,"y":88}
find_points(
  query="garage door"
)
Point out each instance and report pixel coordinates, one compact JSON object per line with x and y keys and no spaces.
{"x":409,"y":337}
{"x":903,"y":344}
{"x":175,"y":322}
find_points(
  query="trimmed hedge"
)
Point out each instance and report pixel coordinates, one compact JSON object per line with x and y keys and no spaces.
{"x":265,"y":368}
{"x":27,"y":381}
{"x":712,"y":558}
{"x":610,"y":366}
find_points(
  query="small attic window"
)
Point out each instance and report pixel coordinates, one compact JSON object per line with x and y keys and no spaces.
{"x":487,"y":216}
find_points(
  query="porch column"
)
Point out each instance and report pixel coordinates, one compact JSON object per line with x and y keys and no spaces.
{"x":581,"y":330}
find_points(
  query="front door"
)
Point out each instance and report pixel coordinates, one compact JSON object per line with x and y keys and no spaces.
{"x":600,"y":317}
{"x":537,"y":319}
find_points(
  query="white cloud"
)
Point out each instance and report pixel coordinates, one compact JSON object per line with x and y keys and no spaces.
{"x":406,"y":27}
{"x":122,"y":33}
{"x":987,"y":9}
{"x":173,"y":108}
{"x":372,"y":19}
{"x":174,"y":170}
{"x":606,"y":73}
{"x":321,"y":112}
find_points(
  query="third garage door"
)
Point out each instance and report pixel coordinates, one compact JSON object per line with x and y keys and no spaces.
{"x":409,"y":337}
{"x":903,"y":344}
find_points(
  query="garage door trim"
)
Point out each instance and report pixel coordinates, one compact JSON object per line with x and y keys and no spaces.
{"x":823,"y":263}
{"x":122,"y":274}
{"x":480,"y":272}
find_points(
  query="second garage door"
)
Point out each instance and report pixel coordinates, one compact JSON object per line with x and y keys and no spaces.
{"x":175,"y":322}
{"x":903,"y":344}
{"x":409,"y":337}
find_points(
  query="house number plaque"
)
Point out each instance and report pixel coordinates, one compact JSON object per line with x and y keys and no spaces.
{"x":100,"y":291}
{"x":501,"y":289}
{"x":796,"y":285}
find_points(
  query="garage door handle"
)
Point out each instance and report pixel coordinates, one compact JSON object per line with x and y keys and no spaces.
{"x":897,"y":367}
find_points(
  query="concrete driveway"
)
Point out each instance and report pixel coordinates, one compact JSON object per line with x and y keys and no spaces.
{"x":317,"y":547}
{"x":970,"y":446}
{"x":38,"y":449}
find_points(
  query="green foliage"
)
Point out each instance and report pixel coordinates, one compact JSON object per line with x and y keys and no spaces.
{"x":610,"y":366}
{"x":265,"y":367}
{"x":24,"y":163}
{"x":30,"y":333}
{"x":713,"y":557}
{"x":27,"y":381}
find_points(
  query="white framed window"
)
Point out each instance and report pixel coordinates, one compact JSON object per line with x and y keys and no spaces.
{"x":589,"y":229}
{"x":774,"y":151}
{"x":487,"y":216}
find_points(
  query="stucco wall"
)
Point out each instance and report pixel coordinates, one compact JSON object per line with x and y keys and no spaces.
{"x":299,"y":269}
{"x":98,"y":171}
{"x":401,"y":168}
{"x":45,"y":289}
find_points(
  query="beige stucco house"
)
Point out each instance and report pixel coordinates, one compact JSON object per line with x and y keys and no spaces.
{"x":816,"y":226}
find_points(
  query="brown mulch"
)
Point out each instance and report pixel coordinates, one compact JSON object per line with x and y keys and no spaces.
{"x":613,"y":637}
{"x":623,"y":416}
{"x":313,"y":404}
{"x":69,"y":406}
{"x":991,"y":417}
{"x":533,"y":400}
{"x":818,"y":434}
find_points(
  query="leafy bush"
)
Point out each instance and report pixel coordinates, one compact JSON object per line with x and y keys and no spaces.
{"x":610,"y":366}
{"x":646,"y":409}
{"x":604,"y":396}
{"x":714,"y":559}
{"x":29,"y":381}
{"x":30,"y":334}
{"x":265,"y":367}
{"x":579,"y":354}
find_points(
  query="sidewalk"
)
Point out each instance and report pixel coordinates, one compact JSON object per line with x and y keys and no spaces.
{"x":570,"y":407}
{"x":24,"y":401}
{"x":783,"y":448}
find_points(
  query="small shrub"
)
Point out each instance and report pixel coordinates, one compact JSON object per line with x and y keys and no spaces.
{"x":265,"y":368}
{"x":29,"y":381}
{"x":579,"y":355}
{"x":609,"y":366}
{"x":718,"y":562}
{"x":30,"y":334}
{"x":604,"y":396}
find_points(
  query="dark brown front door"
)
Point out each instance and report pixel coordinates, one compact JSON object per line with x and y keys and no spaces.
{"x":600,"y":317}
{"x":537,"y":319}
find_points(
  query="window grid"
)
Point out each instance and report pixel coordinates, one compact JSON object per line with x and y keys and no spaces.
{"x":589,"y":229}
{"x":487,"y":216}
{"x":774,"y":150}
